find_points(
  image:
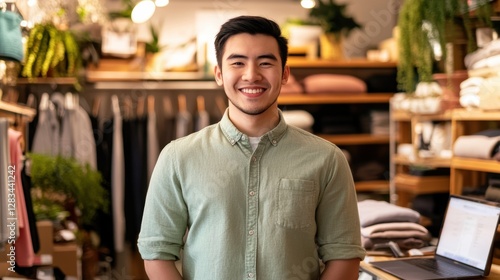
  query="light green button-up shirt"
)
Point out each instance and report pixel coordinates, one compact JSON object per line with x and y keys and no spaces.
{"x":272,"y":213}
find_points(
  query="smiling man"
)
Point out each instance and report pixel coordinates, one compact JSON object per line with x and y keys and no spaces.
{"x":260,"y":199}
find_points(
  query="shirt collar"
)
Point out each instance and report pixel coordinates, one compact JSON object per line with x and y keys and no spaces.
{"x":233,"y":135}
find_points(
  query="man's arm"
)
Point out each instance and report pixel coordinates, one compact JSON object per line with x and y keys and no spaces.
{"x":159,"y":269}
{"x":341,"y":270}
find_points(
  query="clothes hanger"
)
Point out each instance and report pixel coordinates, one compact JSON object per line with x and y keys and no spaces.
{"x":168,"y":107}
{"x":128,"y":107}
{"x":151,"y":104}
{"x":141,"y":100}
{"x":69,"y":101}
{"x":181,"y":99}
{"x":200,"y":102}
{"x":44,"y":102}
{"x":96,"y":104}
{"x":221,"y":105}
{"x":115,"y":104}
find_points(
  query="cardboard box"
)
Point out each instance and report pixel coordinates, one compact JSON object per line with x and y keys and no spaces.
{"x":66,"y":257}
{"x":46,"y":237}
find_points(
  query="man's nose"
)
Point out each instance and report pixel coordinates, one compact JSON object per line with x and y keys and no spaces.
{"x":252,"y":73}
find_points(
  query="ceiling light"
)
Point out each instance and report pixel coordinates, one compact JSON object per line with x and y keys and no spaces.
{"x":307,"y":4}
{"x":143,"y":11}
{"x":161,"y":3}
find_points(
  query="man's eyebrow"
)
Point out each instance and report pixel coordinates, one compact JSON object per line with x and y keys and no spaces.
{"x":263,"y":56}
{"x":237,"y":56}
{"x":268,"y":56}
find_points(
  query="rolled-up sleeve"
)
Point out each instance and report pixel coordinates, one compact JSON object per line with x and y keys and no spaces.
{"x":165,"y":215}
{"x":339,"y":231}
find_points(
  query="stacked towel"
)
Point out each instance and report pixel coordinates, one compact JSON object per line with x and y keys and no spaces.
{"x":479,"y":92}
{"x":382,"y":222}
{"x":486,"y":57}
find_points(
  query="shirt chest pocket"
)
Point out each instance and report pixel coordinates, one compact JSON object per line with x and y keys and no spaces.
{"x":296,"y":203}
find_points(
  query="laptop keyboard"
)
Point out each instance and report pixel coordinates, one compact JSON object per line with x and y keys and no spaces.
{"x":439,"y":267}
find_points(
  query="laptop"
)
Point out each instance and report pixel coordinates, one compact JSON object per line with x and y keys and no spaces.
{"x":465,"y":246}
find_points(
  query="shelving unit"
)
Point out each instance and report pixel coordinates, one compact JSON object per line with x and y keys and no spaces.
{"x":471,"y":171}
{"x":463,"y":171}
{"x":347,"y":139}
{"x":404,"y":186}
{"x":362,"y":69}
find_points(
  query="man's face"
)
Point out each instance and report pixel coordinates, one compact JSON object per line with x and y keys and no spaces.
{"x":251,"y":72}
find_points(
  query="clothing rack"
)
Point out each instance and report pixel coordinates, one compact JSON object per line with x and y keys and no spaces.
{"x":12,"y":109}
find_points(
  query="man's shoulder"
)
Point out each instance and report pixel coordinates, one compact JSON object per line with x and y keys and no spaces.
{"x":197,"y":137}
{"x":309,"y":138}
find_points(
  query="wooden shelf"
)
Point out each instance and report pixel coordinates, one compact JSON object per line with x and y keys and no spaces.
{"x":334,"y":98}
{"x":356,"y":139}
{"x":362,"y":69}
{"x":407,"y":116}
{"x":372,"y":186}
{"x":428,"y":162}
{"x":295,"y":62}
{"x":128,"y":76}
{"x":476,"y":164}
{"x":475,"y":115}
{"x":47,"y":81}
{"x":422,"y":184}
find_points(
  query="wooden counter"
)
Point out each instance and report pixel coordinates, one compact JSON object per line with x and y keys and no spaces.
{"x":365,"y":266}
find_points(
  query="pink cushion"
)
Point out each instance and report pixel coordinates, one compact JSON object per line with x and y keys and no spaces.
{"x":327,"y":83}
{"x":292,"y":86}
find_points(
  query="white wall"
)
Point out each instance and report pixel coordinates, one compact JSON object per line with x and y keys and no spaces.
{"x":178,"y":19}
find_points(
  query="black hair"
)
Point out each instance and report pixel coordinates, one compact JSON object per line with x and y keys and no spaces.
{"x":251,"y":25}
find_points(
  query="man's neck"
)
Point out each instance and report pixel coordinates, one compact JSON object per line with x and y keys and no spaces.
{"x":254,"y":125}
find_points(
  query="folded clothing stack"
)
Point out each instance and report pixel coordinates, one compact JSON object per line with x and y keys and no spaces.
{"x":482,"y":145}
{"x":382,"y":222}
{"x":486,"y":57}
{"x":479,"y":92}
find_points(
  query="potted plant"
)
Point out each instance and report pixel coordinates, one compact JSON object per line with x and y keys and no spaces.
{"x":426,"y":28}
{"x":61,"y":187}
{"x":336,"y":24}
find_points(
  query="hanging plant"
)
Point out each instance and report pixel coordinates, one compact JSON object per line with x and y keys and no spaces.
{"x":51,"y":53}
{"x":426,"y":27}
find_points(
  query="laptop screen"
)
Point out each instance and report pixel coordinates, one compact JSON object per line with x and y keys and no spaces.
{"x":468,"y":231}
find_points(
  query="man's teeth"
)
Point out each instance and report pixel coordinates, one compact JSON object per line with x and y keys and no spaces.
{"x":252,"y":91}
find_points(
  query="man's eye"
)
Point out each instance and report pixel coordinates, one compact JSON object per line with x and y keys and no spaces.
{"x":237,"y":63}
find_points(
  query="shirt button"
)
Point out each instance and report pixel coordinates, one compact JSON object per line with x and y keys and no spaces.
{"x":274,"y":142}
{"x":251,"y":193}
{"x":251,"y":232}
{"x":254,"y":159}
{"x":250,"y":275}
{"x":243,"y":138}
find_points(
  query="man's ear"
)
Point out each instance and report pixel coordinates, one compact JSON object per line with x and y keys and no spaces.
{"x":218,"y":75}
{"x":286,"y":75}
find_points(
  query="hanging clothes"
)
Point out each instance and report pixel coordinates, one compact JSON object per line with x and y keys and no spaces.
{"x":135,"y":145}
{"x":46,"y":139}
{"x":202,"y":118}
{"x":25,"y":255}
{"x":118,"y":178}
{"x":152,"y":137}
{"x":77,"y":133}
{"x":184,"y":119}
{"x":167,"y":121}
{"x":26,"y":181}
{"x":4,"y":190}
{"x":103,"y":136}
